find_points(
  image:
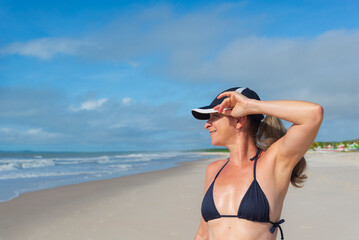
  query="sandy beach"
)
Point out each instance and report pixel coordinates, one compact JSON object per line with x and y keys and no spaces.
{"x":166,"y":204}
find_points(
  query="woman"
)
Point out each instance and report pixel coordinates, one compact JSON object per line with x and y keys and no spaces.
{"x":244,"y":194}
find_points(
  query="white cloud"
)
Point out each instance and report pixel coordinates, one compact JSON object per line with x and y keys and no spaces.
{"x":126,"y":100}
{"x":5,"y":130}
{"x":260,"y":58}
{"x":89,"y":105}
{"x":46,"y":48}
{"x":116,"y":127}
{"x":139,"y":33}
{"x":322,"y":69}
{"x":35,"y":131}
{"x":92,"y":105}
{"x":32,"y":136}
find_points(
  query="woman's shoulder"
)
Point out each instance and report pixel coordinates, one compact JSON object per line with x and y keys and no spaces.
{"x":215,"y":166}
{"x":212,"y":170}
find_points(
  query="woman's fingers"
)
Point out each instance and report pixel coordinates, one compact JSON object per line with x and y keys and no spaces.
{"x":233,"y":100}
{"x":225,"y":104}
{"x":234,"y":104}
{"x":225,"y":94}
{"x":225,"y":111}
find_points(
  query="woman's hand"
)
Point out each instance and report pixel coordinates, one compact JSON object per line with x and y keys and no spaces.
{"x":235,"y":105}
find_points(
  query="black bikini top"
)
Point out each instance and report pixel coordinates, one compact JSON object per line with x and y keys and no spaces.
{"x":254,"y":205}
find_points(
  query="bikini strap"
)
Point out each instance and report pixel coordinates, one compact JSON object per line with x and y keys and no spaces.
{"x":277,"y":225}
{"x":254,"y":168}
{"x":255,"y":158}
{"x":221,"y":169}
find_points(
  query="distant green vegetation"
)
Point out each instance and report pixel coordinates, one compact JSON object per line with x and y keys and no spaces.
{"x":349,"y":143}
{"x":211,"y":150}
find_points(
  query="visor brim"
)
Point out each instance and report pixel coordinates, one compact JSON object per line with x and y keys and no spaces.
{"x":203,"y":112}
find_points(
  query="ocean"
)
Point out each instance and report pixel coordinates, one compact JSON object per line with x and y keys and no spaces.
{"x":22,"y":172}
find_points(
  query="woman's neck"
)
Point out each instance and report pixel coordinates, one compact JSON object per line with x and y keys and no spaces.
{"x":242,"y":150}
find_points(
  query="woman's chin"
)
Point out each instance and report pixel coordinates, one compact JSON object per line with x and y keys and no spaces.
{"x":217,"y":144}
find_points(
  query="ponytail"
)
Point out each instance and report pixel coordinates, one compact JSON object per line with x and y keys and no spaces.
{"x":269,"y":131}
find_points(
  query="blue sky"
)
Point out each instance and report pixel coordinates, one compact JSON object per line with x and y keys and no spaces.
{"x":124,"y":75}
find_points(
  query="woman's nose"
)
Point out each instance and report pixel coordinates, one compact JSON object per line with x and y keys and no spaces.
{"x":207,"y":124}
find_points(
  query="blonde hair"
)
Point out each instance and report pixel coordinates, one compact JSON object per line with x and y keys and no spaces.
{"x":269,"y":131}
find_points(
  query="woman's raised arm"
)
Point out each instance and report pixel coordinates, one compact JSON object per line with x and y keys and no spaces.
{"x":305,"y":116}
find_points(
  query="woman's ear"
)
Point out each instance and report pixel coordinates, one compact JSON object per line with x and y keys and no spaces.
{"x":241,"y":121}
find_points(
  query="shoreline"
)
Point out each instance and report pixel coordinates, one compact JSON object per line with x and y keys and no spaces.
{"x":25,"y":216}
{"x":53,"y":170}
{"x":165,"y":204}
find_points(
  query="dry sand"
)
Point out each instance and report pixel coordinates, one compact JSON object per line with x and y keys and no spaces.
{"x":165,"y":205}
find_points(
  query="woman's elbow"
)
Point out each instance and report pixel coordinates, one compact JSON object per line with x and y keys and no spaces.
{"x":317,"y":114}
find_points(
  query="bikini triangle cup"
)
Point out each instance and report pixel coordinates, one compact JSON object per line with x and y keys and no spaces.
{"x":254,"y":205}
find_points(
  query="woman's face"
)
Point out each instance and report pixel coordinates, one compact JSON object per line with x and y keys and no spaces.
{"x":222,"y":129}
